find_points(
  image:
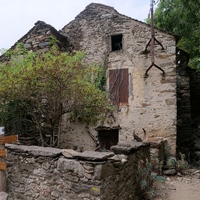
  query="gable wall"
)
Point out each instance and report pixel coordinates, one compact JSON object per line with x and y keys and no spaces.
{"x":152,"y":102}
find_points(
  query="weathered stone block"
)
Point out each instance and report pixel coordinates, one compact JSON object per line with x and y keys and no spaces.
{"x":69,"y":153}
{"x":28,"y":46}
{"x":127,"y":148}
{"x":3,"y":196}
{"x":94,"y":156}
{"x":43,"y":44}
{"x":66,"y":165}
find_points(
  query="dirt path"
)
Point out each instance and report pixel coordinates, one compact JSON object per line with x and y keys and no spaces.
{"x":180,"y":187}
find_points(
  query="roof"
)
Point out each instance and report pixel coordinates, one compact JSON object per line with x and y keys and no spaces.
{"x":41,"y":28}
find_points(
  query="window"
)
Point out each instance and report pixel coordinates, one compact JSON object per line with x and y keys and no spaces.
{"x":119,"y":86}
{"x":116,"y":42}
{"x":108,"y":138}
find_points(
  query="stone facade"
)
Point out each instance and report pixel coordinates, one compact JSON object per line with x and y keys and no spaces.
{"x":151,"y":102}
{"x":50,"y":173}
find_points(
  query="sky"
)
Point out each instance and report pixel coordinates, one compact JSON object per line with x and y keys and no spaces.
{"x":17,"y":17}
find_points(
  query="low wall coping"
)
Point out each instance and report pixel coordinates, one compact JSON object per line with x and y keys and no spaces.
{"x":94,"y":155}
{"x":69,"y":153}
{"x":34,"y":150}
{"x":124,"y":148}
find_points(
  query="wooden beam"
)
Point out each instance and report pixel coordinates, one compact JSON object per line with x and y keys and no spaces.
{"x":8,"y":139}
{"x":2,"y":166}
{"x":2,"y":152}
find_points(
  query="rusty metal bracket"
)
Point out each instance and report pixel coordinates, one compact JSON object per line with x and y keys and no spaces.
{"x":153,"y":64}
{"x":152,"y":43}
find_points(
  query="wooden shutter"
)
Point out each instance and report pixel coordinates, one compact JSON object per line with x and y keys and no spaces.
{"x":118,"y":86}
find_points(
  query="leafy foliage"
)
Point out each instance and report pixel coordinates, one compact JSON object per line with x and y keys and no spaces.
{"x":182,"y":17}
{"x":49,"y":85}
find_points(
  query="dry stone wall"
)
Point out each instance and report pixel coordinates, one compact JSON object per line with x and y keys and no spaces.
{"x":49,"y":173}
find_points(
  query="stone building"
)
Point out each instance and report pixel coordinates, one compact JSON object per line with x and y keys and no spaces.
{"x":145,"y":100}
{"x":146,"y":106}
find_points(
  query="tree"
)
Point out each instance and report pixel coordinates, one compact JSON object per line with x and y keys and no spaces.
{"x":49,"y":85}
{"x":182,"y":17}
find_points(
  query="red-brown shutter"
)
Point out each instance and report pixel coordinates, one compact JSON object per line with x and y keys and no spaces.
{"x":118,"y":86}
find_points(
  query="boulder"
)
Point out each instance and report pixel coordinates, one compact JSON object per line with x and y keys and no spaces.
{"x":3,"y":196}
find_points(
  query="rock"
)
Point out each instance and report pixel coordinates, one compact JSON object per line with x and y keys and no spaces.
{"x":55,"y":194}
{"x":27,"y":46}
{"x":179,"y":174}
{"x":168,"y":179}
{"x":169,"y":172}
{"x":43,"y":44}
{"x":3,"y":196}
{"x":88,"y":166}
{"x":127,"y":148}
{"x":94,"y":156}
{"x":119,"y":157}
{"x":97,"y":172}
{"x":69,"y":153}
{"x":68,"y":165}
{"x":196,"y":172}
{"x":35,"y":150}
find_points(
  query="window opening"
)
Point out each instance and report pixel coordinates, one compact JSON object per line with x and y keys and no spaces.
{"x":108,"y":138}
{"x":116,"y":41}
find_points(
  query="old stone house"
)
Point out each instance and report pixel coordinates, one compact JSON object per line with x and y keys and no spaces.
{"x":145,"y":105}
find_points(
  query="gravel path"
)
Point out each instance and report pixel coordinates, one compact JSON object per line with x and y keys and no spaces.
{"x":180,"y":187}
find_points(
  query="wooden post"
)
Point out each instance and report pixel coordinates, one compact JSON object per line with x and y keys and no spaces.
{"x":2,"y":164}
{"x":4,"y":139}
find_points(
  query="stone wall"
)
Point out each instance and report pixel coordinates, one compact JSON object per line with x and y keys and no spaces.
{"x":41,"y":37}
{"x":184,"y":120}
{"x":48,"y":173}
{"x":152,"y":102}
{"x":195,"y":98}
{"x":195,"y":110}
